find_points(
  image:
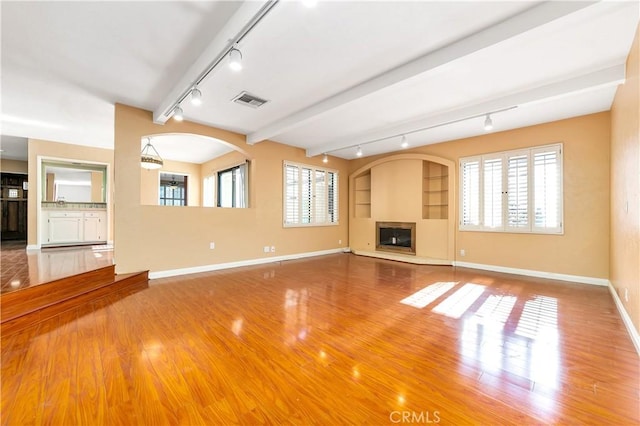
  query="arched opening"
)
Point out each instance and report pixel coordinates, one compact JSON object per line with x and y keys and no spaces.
{"x":193,"y":170}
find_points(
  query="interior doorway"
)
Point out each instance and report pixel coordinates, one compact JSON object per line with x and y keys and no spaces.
{"x":13,"y":205}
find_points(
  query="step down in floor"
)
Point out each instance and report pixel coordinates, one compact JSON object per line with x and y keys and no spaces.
{"x":29,"y":306}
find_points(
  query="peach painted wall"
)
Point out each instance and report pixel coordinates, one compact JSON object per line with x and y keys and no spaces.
{"x":62,"y":151}
{"x":583,"y":250}
{"x":143,"y":241}
{"x":14,"y":166}
{"x":625,"y":187}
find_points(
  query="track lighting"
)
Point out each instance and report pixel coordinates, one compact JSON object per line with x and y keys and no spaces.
{"x":405,"y":142}
{"x":178,"y":114}
{"x":488,"y":123}
{"x":196,"y":96}
{"x":325,"y":159}
{"x":359,"y":151}
{"x":235,"y":59}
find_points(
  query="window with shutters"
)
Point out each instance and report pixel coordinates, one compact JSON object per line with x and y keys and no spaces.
{"x":310,"y":195}
{"x":513,"y":191}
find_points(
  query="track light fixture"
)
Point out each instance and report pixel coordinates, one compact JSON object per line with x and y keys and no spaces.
{"x":235,"y":59}
{"x":196,"y":97}
{"x":325,"y":159}
{"x":178,"y":113}
{"x":488,"y":123}
{"x":404,"y":142}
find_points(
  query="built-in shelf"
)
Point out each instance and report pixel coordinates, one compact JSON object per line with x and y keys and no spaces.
{"x":435,"y":191}
{"x":363,"y":196}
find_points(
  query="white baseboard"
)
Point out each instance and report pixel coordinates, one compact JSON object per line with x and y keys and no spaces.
{"x":250,"y":262}
{"x":33,"y":247}
{"x":537,"y":274}
{"x":626,"y":319}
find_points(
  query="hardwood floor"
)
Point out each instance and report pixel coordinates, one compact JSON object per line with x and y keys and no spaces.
{"x":338,"y":339}
{"x":20,"y":270}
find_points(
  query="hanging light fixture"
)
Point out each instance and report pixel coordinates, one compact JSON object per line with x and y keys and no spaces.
{"x":325,"y":159}
{"x":359,"y":151}
{"x":196,"y":97}
{"x":149,"y":157}
{"x":488,"y":123}
{"x":178,"y":114}
{"x":235,"y":59}
{"x":404,"y":142}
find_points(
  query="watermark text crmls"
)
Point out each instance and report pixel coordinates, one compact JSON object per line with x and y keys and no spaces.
{"x":407,"y":416}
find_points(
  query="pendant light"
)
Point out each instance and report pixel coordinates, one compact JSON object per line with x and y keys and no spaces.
{"x":149,"y":157}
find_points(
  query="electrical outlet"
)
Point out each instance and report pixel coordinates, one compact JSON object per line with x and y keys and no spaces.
{"x":212,"y":245}
{"x":626,"y":294}
{"x":339,"y":241}
{"x":266,"y":249}
{"x":273,"y":249}
{"x":463,"y":253}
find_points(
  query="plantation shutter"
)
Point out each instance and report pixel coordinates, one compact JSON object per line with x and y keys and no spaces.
{"x":470,"y":179}
{"x":547,"y":178}
{"x":332,"y":195}
{"x":307,"y":195}
{"x":320,"y":197}
{"x":292,"y":196}
{"x":493,"y":194}
{"x":518,"y":191}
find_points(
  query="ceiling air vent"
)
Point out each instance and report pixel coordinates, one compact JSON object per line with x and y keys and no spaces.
{"x":249,"y":100}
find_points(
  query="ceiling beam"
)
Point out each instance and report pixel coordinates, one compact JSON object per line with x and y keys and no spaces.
{"x":218,"y":47}
{"x":518,"y":24}
{"x":614,"y":75}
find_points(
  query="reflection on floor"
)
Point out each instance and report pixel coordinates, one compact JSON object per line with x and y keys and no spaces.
{"x":20,"y":269}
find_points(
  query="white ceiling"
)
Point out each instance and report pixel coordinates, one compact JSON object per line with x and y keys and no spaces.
{"x":336,"y":76}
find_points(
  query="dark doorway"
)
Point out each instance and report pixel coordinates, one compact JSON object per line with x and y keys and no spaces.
{"x":13,"y":206}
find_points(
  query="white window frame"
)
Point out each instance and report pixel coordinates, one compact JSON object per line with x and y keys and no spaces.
{"x":314,"y":219}
{"x":474,"y":186}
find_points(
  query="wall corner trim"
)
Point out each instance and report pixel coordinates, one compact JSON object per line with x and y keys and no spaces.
{"x":533,"y":273}
{"x":626,"y":319}
{"x":249,"y":262}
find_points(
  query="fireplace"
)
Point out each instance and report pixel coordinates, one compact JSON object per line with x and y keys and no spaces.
{"x":398,"y":237}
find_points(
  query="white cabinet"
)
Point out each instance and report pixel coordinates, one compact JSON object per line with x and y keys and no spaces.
{"x":95,"y":226}
{"x":73,"y":227}
{"x":64,"y":227}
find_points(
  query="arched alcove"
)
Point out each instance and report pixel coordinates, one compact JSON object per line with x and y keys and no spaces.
{"x":411,"y":191}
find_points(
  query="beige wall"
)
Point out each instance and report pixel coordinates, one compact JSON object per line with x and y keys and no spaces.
{"x":60,"y":151}
{"x":143,"y":239}
{"x":150,"y":180}
{"x":584,"y":248}
{"x":14,"y":166}
{"x":625,"y":187}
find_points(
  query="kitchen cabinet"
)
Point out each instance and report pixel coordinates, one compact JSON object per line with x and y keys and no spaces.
{"x":74,"y":227}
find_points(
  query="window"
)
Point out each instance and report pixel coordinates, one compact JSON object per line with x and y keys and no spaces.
{"x":232,"y":187}
{"x":310,"y":195}
{"x":173,"y":189}
{"x":208,"y":191}
{"x":513,"y":191}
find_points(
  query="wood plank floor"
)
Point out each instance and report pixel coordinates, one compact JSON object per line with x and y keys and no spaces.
{"x":20,"y":269}
{"x":338,"y":339}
